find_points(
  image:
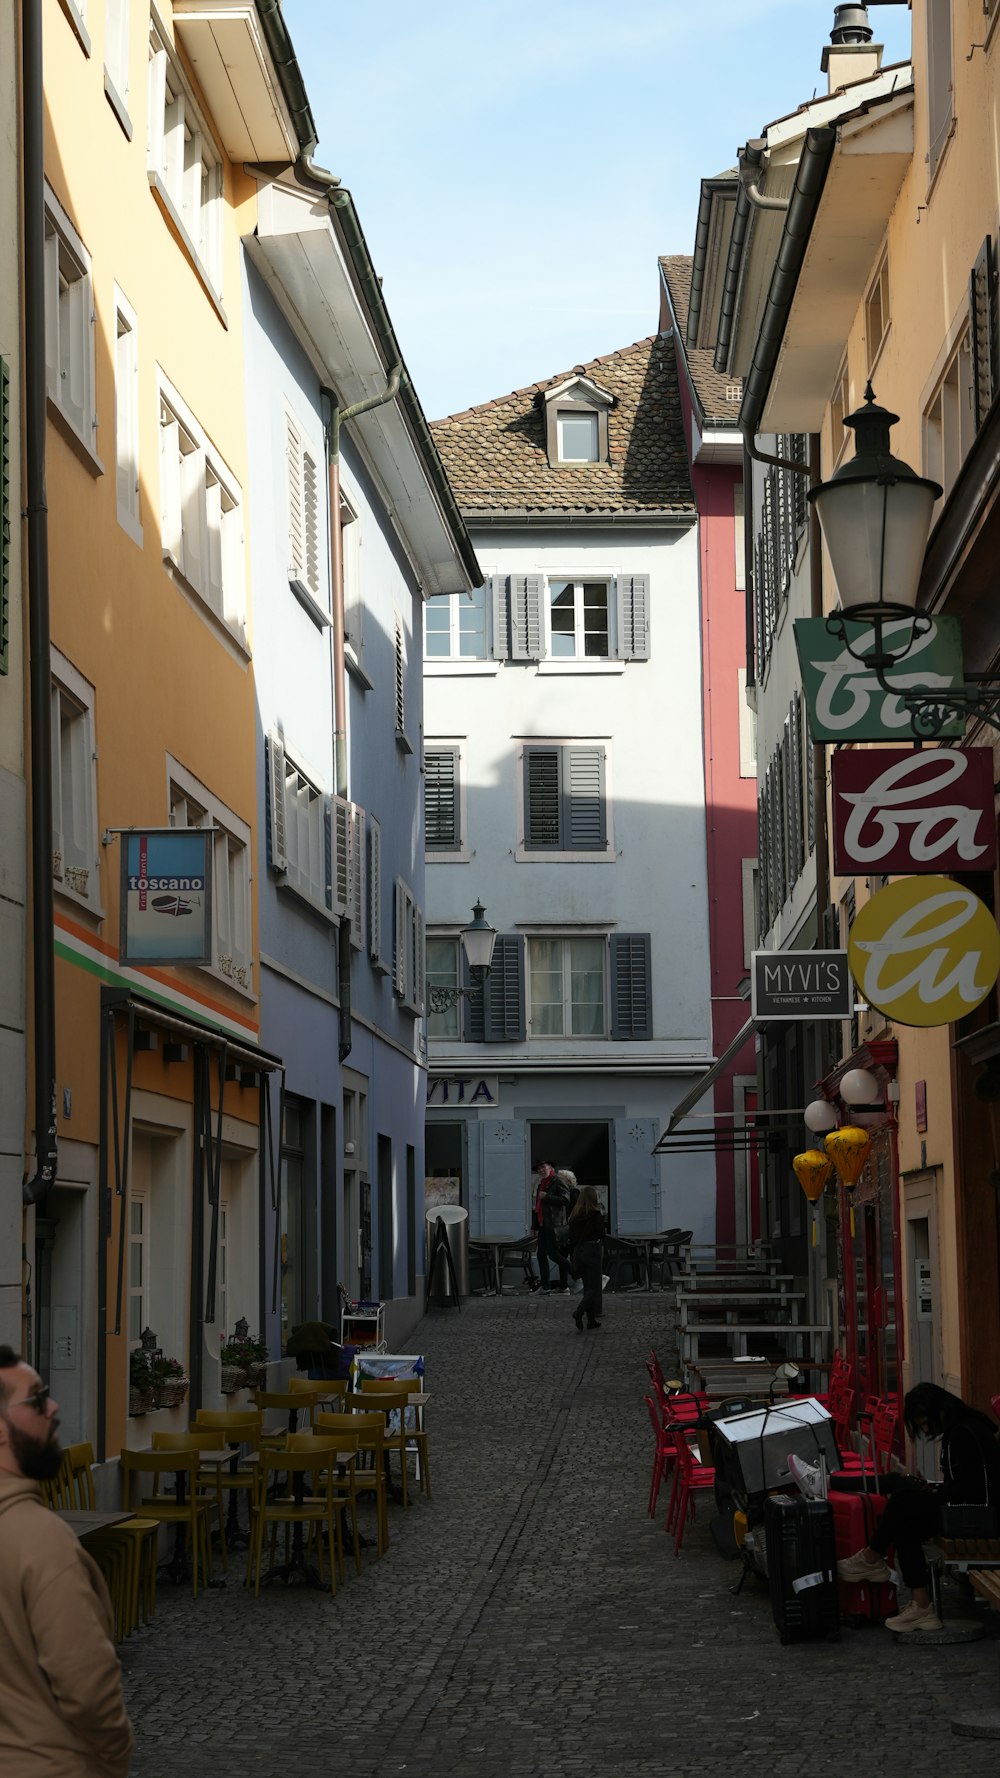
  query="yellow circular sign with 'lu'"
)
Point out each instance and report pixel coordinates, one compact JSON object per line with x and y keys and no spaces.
{"x":924,"y":951}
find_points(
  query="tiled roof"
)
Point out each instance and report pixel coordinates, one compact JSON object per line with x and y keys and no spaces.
{"x":496,"y":458}
{"x":710,"y":385}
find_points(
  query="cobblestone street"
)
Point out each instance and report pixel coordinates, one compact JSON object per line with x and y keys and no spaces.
{"x":529,"y":1618}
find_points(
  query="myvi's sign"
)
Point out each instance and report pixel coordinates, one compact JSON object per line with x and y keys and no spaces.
{"x":166,"y":895}
{"x":845,"y":701}
{"x":924,"y":951}
{"x":801,"y":985}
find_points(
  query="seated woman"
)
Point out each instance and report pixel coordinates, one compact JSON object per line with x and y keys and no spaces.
{"x":970,"y":1474}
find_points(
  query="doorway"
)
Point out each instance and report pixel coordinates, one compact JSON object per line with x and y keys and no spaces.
{"x":584,"y":1148}
{"x":445,"y":1180}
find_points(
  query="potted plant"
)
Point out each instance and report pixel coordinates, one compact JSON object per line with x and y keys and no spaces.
{"x":255,"y":1363}
{"x":231,"y":1357}
{"x":170,"y":1385}
{"x":244,"y":1361}
{"x":141,"y":1394}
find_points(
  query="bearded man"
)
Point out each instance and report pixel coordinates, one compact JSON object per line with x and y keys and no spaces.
{"x":62,"y":1714}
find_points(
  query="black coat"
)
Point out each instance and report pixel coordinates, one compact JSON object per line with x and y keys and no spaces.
{"x":970,"y":1464}
{"x":589,"y":1226}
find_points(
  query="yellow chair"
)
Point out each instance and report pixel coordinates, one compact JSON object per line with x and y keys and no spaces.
{"x":321,"y":1389}
{"x":235,"y":1426}
{"x":369,"y":1430}
{"x":310,"y":1510}
{"x":191,"y":1513}
{"x":200,"y":1438}
{"x":125,"y":1554}
{"x":387,"y":1401}
{"x":341,"y":1477}
{"x":291,"y":1402}
{"x":417,"y":1434}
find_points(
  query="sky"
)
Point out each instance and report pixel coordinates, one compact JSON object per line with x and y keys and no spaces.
{"x":518,"y":165}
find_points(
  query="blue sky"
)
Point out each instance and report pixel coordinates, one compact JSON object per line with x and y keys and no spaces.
{"x":518,"y":164}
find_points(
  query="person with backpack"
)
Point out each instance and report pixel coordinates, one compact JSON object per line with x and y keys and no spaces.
{"x":551,"y":1206}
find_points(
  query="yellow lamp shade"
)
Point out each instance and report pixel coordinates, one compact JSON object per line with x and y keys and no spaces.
{"x":848,"y":1150}
{"x":812,"y":1170}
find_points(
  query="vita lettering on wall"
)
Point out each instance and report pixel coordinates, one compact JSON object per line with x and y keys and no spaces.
{"x":844,"y":700}
{"x":896,"y":810}
{"x":925,"y":951}
{"x":462,"y":1089}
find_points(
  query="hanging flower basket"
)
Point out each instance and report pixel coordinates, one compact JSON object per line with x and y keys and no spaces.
{"x":231,"y":1378}
{"x":140,"y":1401}
{"x":255,"y":1376}
{"x":172,"y":1393}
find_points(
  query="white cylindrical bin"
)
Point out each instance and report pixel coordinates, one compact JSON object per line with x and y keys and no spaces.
{"x":455,"y":1219}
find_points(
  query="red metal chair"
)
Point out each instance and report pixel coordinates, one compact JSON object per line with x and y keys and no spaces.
{"x":690,"y":1478}
{"x":664,"y":1455}
{"x":878,"y":1423}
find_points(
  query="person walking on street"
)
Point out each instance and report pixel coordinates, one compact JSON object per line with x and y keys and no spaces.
{"x":586,"y":1245}
{"x":553,"y":1200}
{"x":62,"y":1713}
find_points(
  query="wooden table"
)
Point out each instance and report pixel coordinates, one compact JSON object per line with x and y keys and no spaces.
{"x":739,"y":1332}
{"x":83,"y":1521}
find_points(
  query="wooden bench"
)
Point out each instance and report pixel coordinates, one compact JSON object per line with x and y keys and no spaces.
{"x":986,"y":1582}
{"x":738,"y":1332}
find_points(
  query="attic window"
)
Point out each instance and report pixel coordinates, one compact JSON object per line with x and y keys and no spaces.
{"x":578,"y":435}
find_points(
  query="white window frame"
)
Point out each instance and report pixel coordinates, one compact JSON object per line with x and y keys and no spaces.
{"x":140,"y":1199}
{"x":949,"y":425}
{"x":524,"y":854}
{"x":840,"y":405}
{"x":201,"y":535}
{"x":566,"y":939}
{"x":183,"y":161}
{"x":307,"y":821}
{"x":940,"y":44}
{"x":116,"y":57}
{"x":69,"y":326}
{"x":453,"y":1015}
{"x":76,"y":13}
{"x":878,"y":287}
{"x":749,"y":884}
{"x":576,"y":580}
{"x":579,"y":412}
{"x":408,"y":949}
{"x":455,"y":603}
{"x":232,"y":928}
{"x":127,"y":416}
{"x":748,"y":728}
{"x":306,"y":531}
{"x":352,"y":559}
{"x":375,"y":957}
{"x":76,"y":854}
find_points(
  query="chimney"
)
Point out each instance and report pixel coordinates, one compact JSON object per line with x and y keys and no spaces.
{"x":850,"y":54}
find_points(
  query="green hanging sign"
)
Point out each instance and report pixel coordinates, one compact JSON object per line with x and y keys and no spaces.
{"x":845,"y":701}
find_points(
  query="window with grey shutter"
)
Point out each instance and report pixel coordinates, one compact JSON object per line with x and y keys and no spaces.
{"x":500,"y":603}
{"x":526,"y":617}
{"x":795,"y":788}
{"x":565,"y":808}
{"x":983,"y":330}
{"x":504,"y":995}
{"x":800,"y":506}
{"x":375,"y":895}
{"x":472,"y":1005}
{"x":441,"y":794}
{"x":632,"y":601}
{"x":763,"y":904}
{"x":780,"y":823}
{"x":277,"y":855}
{"x":631,"y":986}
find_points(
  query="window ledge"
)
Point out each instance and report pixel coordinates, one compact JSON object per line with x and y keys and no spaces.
{"x":118,"y":105}
{"x":310,"y":605}
{"x":942,"y":157}
{"x":226,"y":633}
{"x":87,"y":455}
{"x":86,"y":902}
{"x":76,"y":20}
{"x":608,"y":669}
{"x":523,"y":856}
{"x":441,"y":669}
{"x":873,"y":363}
{"x":439,"y":855}
{"x":403,"y":741}
{"x":167,"y":205}
{"x":130,"y":525}
{"x":354,"y":665}
{"x":378,"y":967}
{"x":290,"y":888}
{"x":219,"y":975}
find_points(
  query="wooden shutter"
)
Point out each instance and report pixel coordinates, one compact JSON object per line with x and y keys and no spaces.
{"x":4,"y":514}
{"x":526,"y":616}
{"x":375,"y":892}
{"x":810,"y":776}
{"x":584,"y":818}
{"x":277,"y":842}
{"x":504,"y":1009}
{"x":542,"y":830}
{"x":800,"y":506}
{"x":357,"y":874}
{"x":500,"y":609}
{"x":441,"y":798}
{"x":340,"y":816}
{"x":401,"y":938}
{"x":632,"y":600}
{"x":763,"y":904}
{"x":419,"y":960}
{"x":983,"y":330}
{"x":631,"y":986}
{"x":773,"y":903}
{"x":780,"y":822}
{"x":400,"y":680}
{"x":296,"y":502}
{"x":795,"y":789}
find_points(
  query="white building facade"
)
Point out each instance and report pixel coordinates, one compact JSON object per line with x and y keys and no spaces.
{"x":564,"y":788}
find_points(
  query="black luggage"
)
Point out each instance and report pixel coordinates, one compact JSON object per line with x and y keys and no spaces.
{"x":801,"y":1566}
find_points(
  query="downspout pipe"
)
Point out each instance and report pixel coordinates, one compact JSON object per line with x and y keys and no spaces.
{"x":752,"y":163}
{"x":35,"y":1189}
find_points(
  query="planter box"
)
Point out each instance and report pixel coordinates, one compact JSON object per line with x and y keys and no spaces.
{"x":141,"y":1401}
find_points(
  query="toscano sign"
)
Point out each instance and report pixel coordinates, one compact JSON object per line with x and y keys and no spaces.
{"x":924,"y":951}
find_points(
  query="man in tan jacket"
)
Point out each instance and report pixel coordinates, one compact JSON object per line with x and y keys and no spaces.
{"x":62,"y":1714}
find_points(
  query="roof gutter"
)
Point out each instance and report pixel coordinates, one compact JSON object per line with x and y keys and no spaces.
{"x":739,"y":237}
{"x":698,"y":265}
{"x":810,"y":178}
{"x":345,"y":219}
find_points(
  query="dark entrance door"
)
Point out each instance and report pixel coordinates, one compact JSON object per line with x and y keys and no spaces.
{"x":584,"y":1148}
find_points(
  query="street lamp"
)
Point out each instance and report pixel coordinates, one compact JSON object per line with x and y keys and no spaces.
{"x":478,"y":939}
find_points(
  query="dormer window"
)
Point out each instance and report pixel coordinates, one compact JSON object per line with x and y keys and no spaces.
{"x":576,"y":423}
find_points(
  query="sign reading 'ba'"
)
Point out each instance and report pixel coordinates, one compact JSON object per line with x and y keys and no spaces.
{"x":924,"y":951}
{"x":845,"y":701}
{"x":895,"y":810}
{"x":166,"y":895}
{"x":801,"y":985}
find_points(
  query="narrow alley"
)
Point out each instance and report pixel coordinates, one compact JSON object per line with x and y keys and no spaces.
{"x":530,"y":1618}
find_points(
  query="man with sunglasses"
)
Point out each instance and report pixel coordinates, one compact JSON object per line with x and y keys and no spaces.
{"x":62,"y":1714}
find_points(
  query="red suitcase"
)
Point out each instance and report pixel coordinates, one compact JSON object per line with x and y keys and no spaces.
{"x":854,"y":1519}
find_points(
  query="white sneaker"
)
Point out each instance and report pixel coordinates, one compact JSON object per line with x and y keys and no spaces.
{"x":565,"y":1291}
{"x":856,"y":1570}
{"x":806,"y":1476}
{"x":605,"y":1280}
{"x":914,"y":1617}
